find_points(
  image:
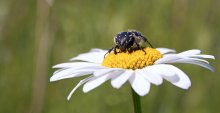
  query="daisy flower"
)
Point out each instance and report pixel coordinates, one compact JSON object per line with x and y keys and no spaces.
{"x":140,"y":69}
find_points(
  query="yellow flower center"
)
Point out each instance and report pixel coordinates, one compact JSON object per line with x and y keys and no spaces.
{"x":135,"y":60}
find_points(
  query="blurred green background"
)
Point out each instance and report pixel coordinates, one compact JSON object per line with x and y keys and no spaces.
{"x":37,"y":34}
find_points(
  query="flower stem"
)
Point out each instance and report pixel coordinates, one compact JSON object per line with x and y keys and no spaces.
{"x":136,"y":102}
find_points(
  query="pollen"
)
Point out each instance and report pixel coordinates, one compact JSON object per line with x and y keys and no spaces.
{"x":137,"y":59}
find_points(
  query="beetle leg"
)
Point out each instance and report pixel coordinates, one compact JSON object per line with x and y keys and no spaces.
{"x":129,"y":50}
{"x":115,"y":51}
{"x":109,"y":51}
{"x":140,"y":48}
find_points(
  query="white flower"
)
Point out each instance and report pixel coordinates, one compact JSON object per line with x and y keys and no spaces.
{"x":140,"y":70}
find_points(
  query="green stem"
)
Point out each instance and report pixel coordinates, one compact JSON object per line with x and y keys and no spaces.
{"x":136,"y":102}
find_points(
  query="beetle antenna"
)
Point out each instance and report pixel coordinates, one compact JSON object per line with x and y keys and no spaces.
{"x":149,"y":44}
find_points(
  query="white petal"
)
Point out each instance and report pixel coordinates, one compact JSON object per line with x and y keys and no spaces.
{"x":167,"y":58}
{"x":98,"y":50}
{"x":203,"y":56}
{"x":83,"y":73}
{"x":165,"y":50}
{"x":190,"y":52}
{"x":56,"y":78}
{"x":195,"y":62}
{"x":189,"y":59}
{"x":104,"y":71}
{"x":75,"y":65}
{"x":72,"y":72}
{"x":184,"y":81}
{"x":95,"y":57}
{"x":95,"y":82}
{"x":200,"y":60}
{"x":77,"y":86}
{"x":164,"y":70}
{"x":69,"y":68}
{"x":151,"y":77}
{"x":57,"y":71}
{"x":140,"y":85}
{"x":120,"y":79}
{"x":57,"y":75}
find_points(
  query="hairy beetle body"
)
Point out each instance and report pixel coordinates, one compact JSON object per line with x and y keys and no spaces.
{"x":129,"y":41}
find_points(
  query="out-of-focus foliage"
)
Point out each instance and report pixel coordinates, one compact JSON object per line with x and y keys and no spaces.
{"x":37,"y":34}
